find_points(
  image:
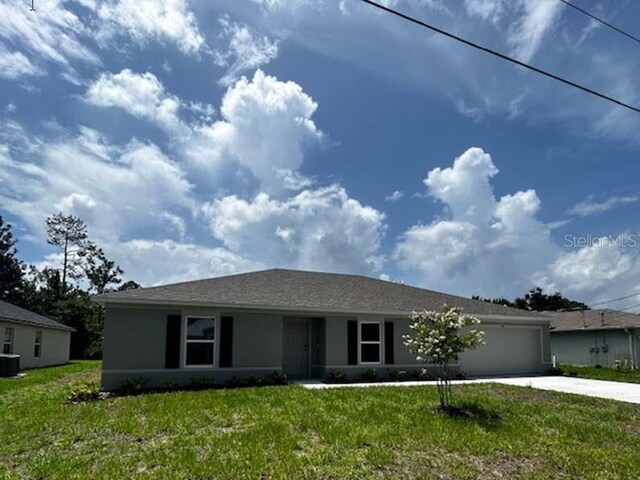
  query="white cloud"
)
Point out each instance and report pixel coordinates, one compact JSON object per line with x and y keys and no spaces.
{"x":180,"y":261}
{"x":465,"y":187}
{"x":396,"y":195}
{"x":527,"y":34}
{"x":14,"y":65}
{"x":141,"y":95}
{"x":489,"y":246}
{"x":495,"y":88}
{"x":498,"y":247}
{"x":177,"y":223}
{"x":56,"y":35}
{"x":115,"y":192}
{"x":527,"y":22}
{"x":266,"y":126}
{"x":245,"y":50}
{"x":592,"y":269}
{"x":321,"y":229}
{"x":491,"y":10}
{"x":146,"y":20}
{"x":590,"y":206}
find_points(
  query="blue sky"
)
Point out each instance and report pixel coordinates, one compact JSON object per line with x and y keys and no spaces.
{"x":207,"y":138}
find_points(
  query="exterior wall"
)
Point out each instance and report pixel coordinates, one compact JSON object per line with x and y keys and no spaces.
{"x":586,"y":347}
{"x":496,"y":358}
{"x":134,"y":338}
{"x":337,"y":349}
{"x":134,"y":347}
{"x":54,"y":349}
{"x":257,"y":341}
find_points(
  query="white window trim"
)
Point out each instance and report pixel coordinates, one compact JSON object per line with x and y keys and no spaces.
{"x":38,"y":343}
{"x":11,"y":339}
{"x":185,"y":342}
{"x":369,"y":342}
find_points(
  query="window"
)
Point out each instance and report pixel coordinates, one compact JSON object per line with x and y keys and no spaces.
{"x":370,"y":342}
{"x":37,"y":348}
{"x":7,"y":346}
{"x":200,"y":341}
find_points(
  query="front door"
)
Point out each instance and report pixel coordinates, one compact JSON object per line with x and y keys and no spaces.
{"x":295,"y":357}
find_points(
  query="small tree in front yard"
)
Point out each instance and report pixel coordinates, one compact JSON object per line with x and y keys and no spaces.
{"x":437,"y":338}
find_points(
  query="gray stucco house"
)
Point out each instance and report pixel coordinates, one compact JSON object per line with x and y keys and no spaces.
{"x":595,"y":337}
{"x":301,"y":323}
{"x":40,"y":341}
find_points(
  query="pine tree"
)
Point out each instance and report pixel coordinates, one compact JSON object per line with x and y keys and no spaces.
{"x":11,"y":269}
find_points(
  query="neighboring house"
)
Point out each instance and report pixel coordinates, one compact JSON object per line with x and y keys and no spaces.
{"x":304,"y":324}
{"x":595,"y":337}
{"x":38,"y":340}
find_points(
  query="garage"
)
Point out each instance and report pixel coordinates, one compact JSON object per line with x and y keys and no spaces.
{"x":508,"y":350}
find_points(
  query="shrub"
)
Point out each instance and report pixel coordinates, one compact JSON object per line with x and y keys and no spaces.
{"x":278,"y":378}
{"x":336,"y":376}
{"x":169,"y":385}
{"x":237,"y":382}
{"x":257,"y":381}
{"x":460,"y":375}
{"x":132,"y":386}
{"x":398,"y":375}
{"x":423,"y":374}
{"x":85,"y":392}
{"x":200,"y":383}
{"x":370,"y":374}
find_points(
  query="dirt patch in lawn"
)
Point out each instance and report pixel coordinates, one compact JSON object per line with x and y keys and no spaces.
{"x":447,"y":465}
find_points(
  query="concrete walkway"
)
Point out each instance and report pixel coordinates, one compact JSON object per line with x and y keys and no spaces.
{"x":624,"y":392}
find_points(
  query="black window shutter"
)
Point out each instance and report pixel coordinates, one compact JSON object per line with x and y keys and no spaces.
{"x":352,"y":342}
{"x":388,"y":343}
{"x":172,"y":355}
{"x":226,"y":341}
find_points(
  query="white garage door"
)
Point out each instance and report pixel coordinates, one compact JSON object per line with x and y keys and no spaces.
{"x":508,"y":350}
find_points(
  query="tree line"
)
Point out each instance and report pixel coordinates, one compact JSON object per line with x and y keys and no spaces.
{"x":62,"y":291}
{"x":538,"y":301}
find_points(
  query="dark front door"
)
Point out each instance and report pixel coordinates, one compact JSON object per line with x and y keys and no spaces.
{"x":295,"y":357}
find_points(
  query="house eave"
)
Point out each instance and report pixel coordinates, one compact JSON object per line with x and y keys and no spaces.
{"x":126,"y":302}
{"x":62,"y":328}
{"x":593,"y":329}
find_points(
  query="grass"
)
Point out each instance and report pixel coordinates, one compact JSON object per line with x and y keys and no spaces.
{"x":39,"y":376}
{"x":612,"y":374}
{"x":290,"y":432}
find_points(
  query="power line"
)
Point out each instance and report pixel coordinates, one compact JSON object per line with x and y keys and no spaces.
{"x":501,"y":55}
{"x":616,"y":299}
{"x":598,"y":19}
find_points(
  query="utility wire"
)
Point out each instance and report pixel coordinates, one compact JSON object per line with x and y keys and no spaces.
{"x":616,"y":299}
{"x":500,"y":55}
{"x":600,"y":20}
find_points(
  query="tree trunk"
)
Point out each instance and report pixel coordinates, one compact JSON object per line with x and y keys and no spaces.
{"x":63,"y":287}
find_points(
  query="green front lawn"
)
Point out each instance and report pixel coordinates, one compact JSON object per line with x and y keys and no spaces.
{"x":289,"y":432}
{"x":612,"y":374}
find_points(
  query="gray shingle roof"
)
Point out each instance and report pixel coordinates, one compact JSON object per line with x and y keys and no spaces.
{"x":613,"y":319}
{"x":20,"y":315}
{"x":294,"y":289}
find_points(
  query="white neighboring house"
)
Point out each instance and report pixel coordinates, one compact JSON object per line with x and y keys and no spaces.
{"x":40,"y":341}
{"x":602,"y":337}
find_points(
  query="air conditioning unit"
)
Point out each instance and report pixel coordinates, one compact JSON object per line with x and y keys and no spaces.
{"x":9,"y":365}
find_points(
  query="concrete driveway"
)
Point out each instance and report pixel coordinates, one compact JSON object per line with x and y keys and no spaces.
{"x":624,"y":392}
